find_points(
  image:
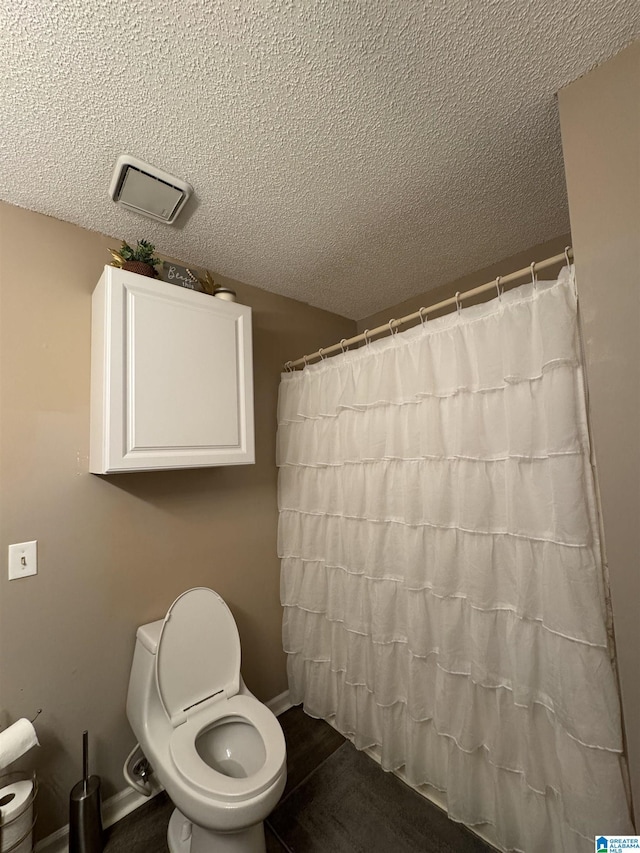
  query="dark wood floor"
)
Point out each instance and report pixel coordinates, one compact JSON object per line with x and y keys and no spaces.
{"x":336,"y":801}
{"x":309,"y":743}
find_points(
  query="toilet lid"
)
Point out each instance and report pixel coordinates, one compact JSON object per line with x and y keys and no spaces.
{"x":198,"y":653}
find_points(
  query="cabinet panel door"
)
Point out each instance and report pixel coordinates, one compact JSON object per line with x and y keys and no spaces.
{"x":172,"y":377}
{"x":182,"y":375}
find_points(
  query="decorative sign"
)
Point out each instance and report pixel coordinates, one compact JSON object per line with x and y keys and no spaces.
{"x":182,"y":276}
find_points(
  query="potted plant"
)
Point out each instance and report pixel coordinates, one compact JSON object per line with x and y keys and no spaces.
{"x":140,"y":260}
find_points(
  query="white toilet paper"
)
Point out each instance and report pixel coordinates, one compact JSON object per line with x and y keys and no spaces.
{"x":16,"y":816}
{"x":16,"y":740}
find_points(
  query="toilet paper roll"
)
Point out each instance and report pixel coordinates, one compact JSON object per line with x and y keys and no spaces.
{"x":16,"y":740}
{"x":16,"y":816}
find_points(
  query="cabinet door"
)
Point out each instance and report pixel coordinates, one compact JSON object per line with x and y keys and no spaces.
{"x":171,"y":379}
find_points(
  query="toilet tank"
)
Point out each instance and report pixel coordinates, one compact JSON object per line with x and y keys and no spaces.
{"x":142,"y":695}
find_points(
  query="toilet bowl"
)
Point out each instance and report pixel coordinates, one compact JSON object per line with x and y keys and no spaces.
{"x":219,"y":752}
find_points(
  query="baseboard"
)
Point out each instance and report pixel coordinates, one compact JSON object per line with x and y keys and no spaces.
{"x":113,"y":810}
{"x":279,"y":704}
{"x":127,"y":801}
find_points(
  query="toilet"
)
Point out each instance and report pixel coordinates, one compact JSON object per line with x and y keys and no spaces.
{"x":219,"y":753}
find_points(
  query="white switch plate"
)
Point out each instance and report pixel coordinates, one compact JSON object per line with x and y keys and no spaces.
{"x":23,"y":560}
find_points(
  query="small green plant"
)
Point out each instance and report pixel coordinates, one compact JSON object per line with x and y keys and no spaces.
{"x":143,"y":253}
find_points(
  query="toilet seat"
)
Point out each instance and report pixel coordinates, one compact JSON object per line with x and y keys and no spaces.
{"x":189,"y":764}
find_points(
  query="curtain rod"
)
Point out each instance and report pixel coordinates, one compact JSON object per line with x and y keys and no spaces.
{"x":418,"y":315}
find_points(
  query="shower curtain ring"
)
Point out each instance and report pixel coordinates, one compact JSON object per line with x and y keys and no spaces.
{"x":422,"y":319}
{"x":366,"y":337}
{"x":458,"y":303}
{"x":343,"y":345}
{"x":500,"y":292}
{"x":390,"y":324}
{"x":288,"y":367}
{"x":321,"y":351}
{"x":304,"y":358}
{"x":534,"y":277}
{"x":567,"y":249}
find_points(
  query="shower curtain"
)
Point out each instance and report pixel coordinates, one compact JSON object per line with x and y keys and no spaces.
{"x":441,"y":572}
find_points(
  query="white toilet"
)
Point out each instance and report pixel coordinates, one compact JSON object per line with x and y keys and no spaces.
{"x":219,"y":752}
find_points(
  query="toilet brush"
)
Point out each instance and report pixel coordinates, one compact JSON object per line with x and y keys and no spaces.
{"x":85,"y":819}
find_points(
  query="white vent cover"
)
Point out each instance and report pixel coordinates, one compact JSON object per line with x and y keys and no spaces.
{"x":147,"y":190}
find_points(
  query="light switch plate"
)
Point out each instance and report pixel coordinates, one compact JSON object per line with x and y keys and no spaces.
{"x":23,"y":560}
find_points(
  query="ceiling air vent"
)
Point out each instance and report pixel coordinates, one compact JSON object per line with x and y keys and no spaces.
{"x":148,"y":191}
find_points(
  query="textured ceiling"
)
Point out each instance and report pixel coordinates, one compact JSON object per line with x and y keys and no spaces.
{"x":348,"y":154}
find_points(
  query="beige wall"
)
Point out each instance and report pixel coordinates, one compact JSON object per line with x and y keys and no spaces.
{"x":113,"y":552}
{"x":467,"y":282}
{"x":600,"y":119}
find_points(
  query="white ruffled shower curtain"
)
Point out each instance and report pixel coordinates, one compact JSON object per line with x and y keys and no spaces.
{"x":441,"y":572}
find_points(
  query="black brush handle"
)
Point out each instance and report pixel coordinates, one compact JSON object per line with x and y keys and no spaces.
{"x":85,"y":760}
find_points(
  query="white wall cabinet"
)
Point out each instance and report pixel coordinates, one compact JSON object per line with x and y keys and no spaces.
{"x":171,"y":377}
